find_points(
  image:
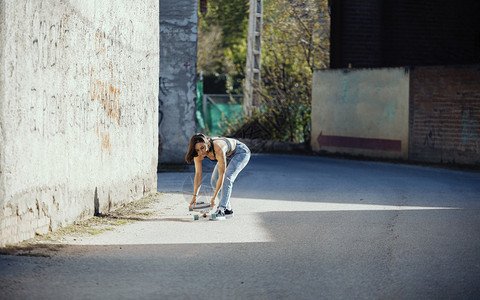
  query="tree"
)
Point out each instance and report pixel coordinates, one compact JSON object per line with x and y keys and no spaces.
{"x":295,"y":42}
{"x":210,"y":52}
{"x":222,"y":40}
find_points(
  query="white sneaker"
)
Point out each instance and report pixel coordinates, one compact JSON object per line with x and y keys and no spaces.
{"x":219,"y":214}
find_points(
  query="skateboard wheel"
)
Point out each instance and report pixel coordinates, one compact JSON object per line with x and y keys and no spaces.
{"x":195,"y":217}
{"x":214,"y":216}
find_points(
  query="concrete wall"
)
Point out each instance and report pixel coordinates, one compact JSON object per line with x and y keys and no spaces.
{"x":177,"y":94}
{"x":78,"y":110}
{"x":361,"y":112}
{"x":445,"y":114}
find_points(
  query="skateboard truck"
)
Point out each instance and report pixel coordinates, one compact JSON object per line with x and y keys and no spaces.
{"x":203,"y":209}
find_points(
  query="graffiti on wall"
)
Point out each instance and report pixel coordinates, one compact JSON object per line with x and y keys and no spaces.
{"x":349,"y":96}
{"x":163,"y":93}
{"x":52,"y":108}
{"x":470,"y":126}
{"x":430,"y":137}
{"x":436,"y":132}
{"x":48,"y":38}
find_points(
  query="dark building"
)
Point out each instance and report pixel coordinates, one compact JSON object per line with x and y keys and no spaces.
{"x":203,"y":6}
{"x":390,"y":33}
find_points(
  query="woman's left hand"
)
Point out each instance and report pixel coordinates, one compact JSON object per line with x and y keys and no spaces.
{"x":212,"y":202}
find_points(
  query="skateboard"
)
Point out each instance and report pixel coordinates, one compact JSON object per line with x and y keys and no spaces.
{"x":203,"y":209}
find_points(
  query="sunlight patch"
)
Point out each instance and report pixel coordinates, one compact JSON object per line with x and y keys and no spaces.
{"x":265,"y":205}
{"x":183,"y":230}
{"x":178,"y":226}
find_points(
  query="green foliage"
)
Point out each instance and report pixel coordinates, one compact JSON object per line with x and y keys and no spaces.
{"x":231,"y":16}
{"x":269,"y":123}
{"x":222,"y":41}
{"x":210,"y":53}
{"x":295,"y":42}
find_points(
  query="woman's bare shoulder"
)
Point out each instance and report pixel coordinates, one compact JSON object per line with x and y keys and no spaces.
{"x":218,"y":145}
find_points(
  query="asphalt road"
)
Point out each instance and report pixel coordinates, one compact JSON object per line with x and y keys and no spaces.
{"x":304,"y":228}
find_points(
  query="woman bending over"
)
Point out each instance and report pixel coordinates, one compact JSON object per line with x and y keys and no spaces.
{"x":231,"y":156}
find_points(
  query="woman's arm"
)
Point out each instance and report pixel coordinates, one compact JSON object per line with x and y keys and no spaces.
{"x":197,"y":181}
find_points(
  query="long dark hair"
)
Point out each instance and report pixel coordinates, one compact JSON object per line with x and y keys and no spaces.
{"x":191,"y":152}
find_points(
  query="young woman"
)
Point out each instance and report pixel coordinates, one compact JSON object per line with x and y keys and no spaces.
{"x":231,"y":156}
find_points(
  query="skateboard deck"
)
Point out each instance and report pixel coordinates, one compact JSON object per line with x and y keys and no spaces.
{"x":202,"y":209}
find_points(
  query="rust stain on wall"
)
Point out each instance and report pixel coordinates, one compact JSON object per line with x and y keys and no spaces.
{"x":104,"y":92}
{"x":106,"y":147}
{"x":106,"y":95}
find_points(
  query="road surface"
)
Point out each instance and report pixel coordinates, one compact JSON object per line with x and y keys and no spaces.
{"x":304,"y":228}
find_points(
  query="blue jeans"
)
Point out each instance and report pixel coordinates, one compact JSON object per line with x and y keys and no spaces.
{"x":234,"y":164}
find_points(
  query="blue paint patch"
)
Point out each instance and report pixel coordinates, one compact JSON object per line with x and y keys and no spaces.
{"x":344,"y":89}
{"x":469,"y":127}
{"x":389,"y":114}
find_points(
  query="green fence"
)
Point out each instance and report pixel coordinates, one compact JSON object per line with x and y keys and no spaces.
{"x":214,"y":111}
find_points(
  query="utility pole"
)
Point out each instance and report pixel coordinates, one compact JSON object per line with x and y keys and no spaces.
{"x":254,"y":51}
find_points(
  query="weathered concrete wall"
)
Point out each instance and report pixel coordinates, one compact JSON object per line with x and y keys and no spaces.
{"x":78,"y":110}
{"x":361,"y":112}
{"x":178,"y":56}
{"x":2,"y":132}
